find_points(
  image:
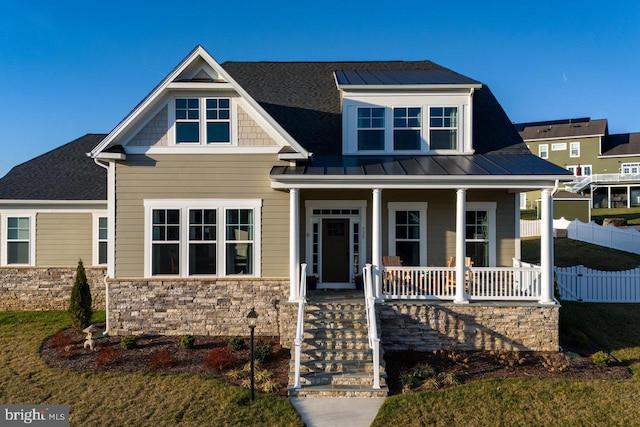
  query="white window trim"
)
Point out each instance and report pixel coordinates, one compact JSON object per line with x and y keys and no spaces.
{"x":352,"y":102}
{"x":32,"y":238}
{"x":546,"y":150}
{"x":97,"y":240}
{"x":233,"y":122}
{"x":184,"y":205}
{"x":392,"y":208}
{"x":490,"y":207}
{"x":630,"y":166}
{"x":559,"y":146}
{"x":573,"y":168}
{"x":574,"y":144}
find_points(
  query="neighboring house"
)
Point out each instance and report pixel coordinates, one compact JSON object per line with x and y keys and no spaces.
{"x":606,"y":167}
{"x":53,"y":212}
{"x":227,"y":177}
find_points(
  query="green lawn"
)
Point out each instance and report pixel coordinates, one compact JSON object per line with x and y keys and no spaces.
{"x":568,"y":252}
{"x":632,"y":215}
{"x":119,"y":399}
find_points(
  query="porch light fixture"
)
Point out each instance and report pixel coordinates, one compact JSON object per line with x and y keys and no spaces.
{"x":252,"y":320}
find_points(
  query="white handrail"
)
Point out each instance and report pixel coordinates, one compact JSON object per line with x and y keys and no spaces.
{"x":300,"y":326}
{"x":374,"y":341}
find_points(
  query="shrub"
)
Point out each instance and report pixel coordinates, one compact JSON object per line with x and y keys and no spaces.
{"x":579,"y":339}
{"x":220,"y":359}
{"x":187,"y":342}
{"x":508,"y":358}
{"x":128,"y":342}
{"x":107,"y":356}
{"x":600,"y":359}
{"x":556,"y":362}
{"x":63,"y":345}
{"x":80,"y":302}
{"x":262,"y":350}
{"x":236,"y":343}
{"x":161,"y":360}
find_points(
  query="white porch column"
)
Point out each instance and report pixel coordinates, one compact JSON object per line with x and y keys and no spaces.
{"x":628,"y":196}
{"x":376,"y":241}
{"x":294,"y":244}
{"x":461,"y":250}
{"x":609,"y":196}
{"x":546,"y":248}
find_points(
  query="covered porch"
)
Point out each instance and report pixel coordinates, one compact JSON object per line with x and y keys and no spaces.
{"x":458,"y":280}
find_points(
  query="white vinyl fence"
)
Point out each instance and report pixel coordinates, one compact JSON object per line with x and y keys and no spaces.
{"x":623,"y":239}
{"x":579,"y":283}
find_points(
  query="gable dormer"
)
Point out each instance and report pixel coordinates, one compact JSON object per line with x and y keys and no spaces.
{"x":406,"y":112}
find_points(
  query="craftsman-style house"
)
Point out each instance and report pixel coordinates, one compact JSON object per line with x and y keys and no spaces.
{"x":232,"y":185}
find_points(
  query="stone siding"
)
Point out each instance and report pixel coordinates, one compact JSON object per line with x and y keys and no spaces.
{"x":431,"y":326}
{"x":42,"y":288}
{"x":198,"y":306}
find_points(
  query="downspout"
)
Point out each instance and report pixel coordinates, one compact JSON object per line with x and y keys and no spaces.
{"x":106,"y":276}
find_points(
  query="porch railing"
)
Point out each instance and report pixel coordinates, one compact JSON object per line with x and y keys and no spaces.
{"x":374,"y":341}
{"x":300,"y":325}
{"x":481,"y":283}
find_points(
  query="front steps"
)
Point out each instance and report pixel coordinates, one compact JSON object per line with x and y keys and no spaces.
{"x":336,"y":360}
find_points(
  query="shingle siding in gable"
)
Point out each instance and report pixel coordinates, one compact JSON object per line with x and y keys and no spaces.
{"x":250,"y":134}
{"x":153,"y":133}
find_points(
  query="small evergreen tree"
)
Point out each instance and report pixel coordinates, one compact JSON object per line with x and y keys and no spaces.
{"x":80,"y":304}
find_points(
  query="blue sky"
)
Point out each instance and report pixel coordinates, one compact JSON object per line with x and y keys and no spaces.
{"x":69,"y":68}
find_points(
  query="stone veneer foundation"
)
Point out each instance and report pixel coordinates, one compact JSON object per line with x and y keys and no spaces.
{"x":46,"y":288}
{"x":475,"y":326}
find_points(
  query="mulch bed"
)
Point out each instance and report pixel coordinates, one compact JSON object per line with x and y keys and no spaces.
{"x":64,"y":351}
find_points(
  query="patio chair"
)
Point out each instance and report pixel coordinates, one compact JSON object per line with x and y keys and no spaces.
{"x":451,"y":279}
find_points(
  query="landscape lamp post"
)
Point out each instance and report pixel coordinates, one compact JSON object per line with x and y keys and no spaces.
{"x":252,"y":319}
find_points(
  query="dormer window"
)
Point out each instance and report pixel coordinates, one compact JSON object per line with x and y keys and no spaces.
{"x":443,"y":132}
{"x":407,"y":128}
{"x":202,"y":120}
{"x":371,"y":128}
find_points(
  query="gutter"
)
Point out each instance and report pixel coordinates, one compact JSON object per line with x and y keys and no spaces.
{"x":106,"y":276}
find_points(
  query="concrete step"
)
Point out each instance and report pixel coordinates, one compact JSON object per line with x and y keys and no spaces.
{"x":335,"y":324}
{"x":337,"y":378}
{"x":336,"y":344}
{"x":338,"y":391}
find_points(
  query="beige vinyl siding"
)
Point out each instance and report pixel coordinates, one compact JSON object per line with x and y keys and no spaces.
{"x":63,"y":238}
{"x":187,"y":176}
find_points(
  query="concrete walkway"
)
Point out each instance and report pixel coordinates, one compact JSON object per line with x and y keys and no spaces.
{"x":337,"y":411}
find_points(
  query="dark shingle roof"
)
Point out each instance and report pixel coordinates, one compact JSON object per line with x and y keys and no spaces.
{"x":621,"y":144}
{"x":65,"y":173}
{"x":304,"y":99}
{"x":562,"y":128}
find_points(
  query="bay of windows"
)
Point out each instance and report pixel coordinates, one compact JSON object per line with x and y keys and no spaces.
{"x":405,"y":129}
{"x":213,"y":240}
{"x":202,"y":120}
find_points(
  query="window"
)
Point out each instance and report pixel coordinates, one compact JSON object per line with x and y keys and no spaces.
{"x":580,"y":170}
{"x":239,"y":238}
{"x":202,"y":241}
{"x":480,"y":233}
{"x":370,"y":129}
{"x":18,"y":240}
{"x":443,"y":123}
{"x":102,"y":240}
{"x":630,"y":168}
{"x":406,"y":128}
{"x":165,"y":248}
{"x":195,"y":238}
{"x":213,"y":126}
{"x":543,"y":151}
{"x":559,"y":146}
{"x":574,"y":149}
{"x":408,"y":232}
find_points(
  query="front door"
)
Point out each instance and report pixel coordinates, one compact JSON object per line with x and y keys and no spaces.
{"x":335,"y":250}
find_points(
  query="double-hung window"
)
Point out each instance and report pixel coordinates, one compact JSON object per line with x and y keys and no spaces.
{"x":543,"y":151}
{"x":371,"y":128}
{"x":19,"y":240}
{"x":408,"y":232}
{"x":406,"y":128}
{"x":196,"y":238}
{"x":443,"y":128}
{"x":102,"y":240}
{"x":202,"y":120}
{"x":574,"y":149}
{"x":480,"y":233}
